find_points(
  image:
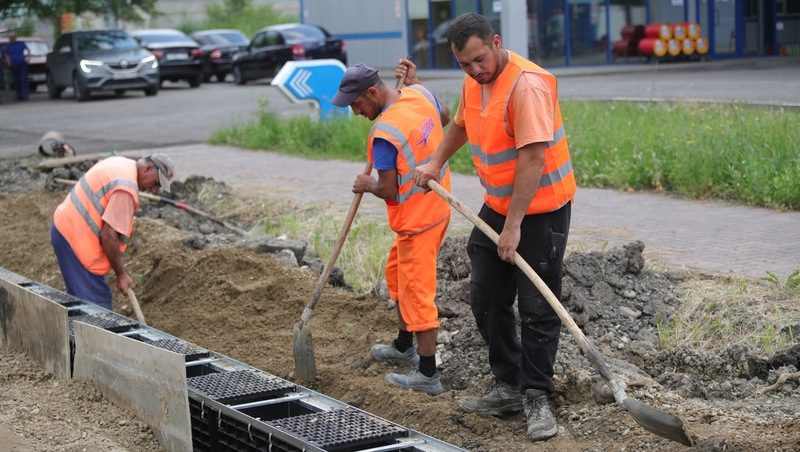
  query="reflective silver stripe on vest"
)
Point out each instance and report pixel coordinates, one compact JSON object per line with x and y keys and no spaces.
{"x":510,"y":154}
{"x":73,"y":197}
{"x":96,"y":199}
{"x":558,"y":136}
{"x":425,"y":93}
{"x":401,"y":198}
{"x":547,"y":179}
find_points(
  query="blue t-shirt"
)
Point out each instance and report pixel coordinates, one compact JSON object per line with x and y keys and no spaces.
{"x":16,"y":52}
{"x":384,"y":153}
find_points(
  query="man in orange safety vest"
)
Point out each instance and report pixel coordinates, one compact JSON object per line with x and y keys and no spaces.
{"x":93,"y":224}
{"x":509,"y":114}
{"x":407,"y":129}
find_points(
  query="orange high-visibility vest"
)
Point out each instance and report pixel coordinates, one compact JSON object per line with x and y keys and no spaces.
{"x":494,"y":152}
{"x":412,"y":124}
{"x":79,"y":217}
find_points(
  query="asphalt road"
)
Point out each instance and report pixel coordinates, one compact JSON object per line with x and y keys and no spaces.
{"x":710,"y":236}
{"x":181,"y":115}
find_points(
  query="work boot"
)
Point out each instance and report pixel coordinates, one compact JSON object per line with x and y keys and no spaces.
{"x":498,"y":399}
{"x":539,"y":415}
{"x":386,"y":353}
{"x":417,"y":381}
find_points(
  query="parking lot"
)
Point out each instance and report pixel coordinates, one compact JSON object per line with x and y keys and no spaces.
{"x":181,"y":115}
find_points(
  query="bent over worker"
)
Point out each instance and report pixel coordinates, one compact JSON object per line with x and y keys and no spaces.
{"x":93,"y":224}
{"x":510,"y":115}
{"x":407,"y":129}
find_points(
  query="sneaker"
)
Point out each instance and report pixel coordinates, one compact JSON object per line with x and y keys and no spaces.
{"x":539,"y":415}
{"x":417,"y":381}
{"x":498,"y":399}
{"x":386,"y":353}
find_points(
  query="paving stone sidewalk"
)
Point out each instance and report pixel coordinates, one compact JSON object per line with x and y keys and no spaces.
{"x":712,"y":237}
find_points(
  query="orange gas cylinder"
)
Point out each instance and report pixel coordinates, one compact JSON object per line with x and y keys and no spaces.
{"x":687,"y":47}
{"x":674,"y":47}
{"x":693,"y":31}
{"x":701,"y":45}
{"x":652,"y":46}
{"x":679,"y":31}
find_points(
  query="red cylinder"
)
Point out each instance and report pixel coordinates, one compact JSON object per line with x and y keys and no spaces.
{"x":687,"y":47}
{"x":693,"y":31}
{"x":674,"y":47}
{"x":658,"y":30}
{"x":701,"y":45}
{"x":652,"y":46}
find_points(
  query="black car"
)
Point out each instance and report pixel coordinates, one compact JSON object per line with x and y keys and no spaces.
{"x":100,"y":60}
{"x":218,"y":47}
{"x":273,"y":46}
{"x":179,"y":56}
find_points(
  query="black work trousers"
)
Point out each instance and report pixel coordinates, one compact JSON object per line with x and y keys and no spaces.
{"x":525,"y":361}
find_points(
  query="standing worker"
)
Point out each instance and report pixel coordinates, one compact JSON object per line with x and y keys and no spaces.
{"x":93,"y":224}
{"x":509,"y":112}
{"x":17,"y":55}
{"x":407,"y":130}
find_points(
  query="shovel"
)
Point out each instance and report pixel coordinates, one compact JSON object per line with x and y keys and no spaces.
{"x":305,"y":368}
{"x":653,"y":420}
{"x":302,"y":343}
{"x":135,"y":305}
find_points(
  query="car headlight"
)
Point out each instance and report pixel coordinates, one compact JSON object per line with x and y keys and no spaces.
{"x":90,"y":65}
{"x":151,"y":59}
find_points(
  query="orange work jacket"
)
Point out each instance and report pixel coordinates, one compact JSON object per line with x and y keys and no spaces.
{"x":494,"y":151}
{"x":79,"y":217}
{"x":413,"y":125}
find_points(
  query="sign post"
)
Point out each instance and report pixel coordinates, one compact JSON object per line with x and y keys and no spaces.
{"x":315,"y":81}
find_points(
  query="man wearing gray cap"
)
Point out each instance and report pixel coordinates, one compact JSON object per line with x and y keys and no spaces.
{"x":93,"y":224}
{"x":408,"y":128}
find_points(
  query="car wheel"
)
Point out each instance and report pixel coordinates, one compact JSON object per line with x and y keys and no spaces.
{"x":196,"y":81}
{"x":53,"y":91}
{"x":81,"y":92}
{"x":238,"y":77}
{"x":151,"y":90}
{"x":221,"y":77}
{"x":206,"y":77}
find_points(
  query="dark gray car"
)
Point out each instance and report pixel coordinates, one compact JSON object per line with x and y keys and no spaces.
{"x":100,"y":60}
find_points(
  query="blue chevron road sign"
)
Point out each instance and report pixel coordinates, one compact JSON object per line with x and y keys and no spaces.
{"x":312,"y":81}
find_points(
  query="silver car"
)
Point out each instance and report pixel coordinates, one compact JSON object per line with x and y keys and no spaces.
{"x":100,"y":60}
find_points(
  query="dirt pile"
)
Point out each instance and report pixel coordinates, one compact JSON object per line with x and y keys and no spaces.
{"x":221,"y":291}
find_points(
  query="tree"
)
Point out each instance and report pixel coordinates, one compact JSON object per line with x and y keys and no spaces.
{"x":52,"y":10}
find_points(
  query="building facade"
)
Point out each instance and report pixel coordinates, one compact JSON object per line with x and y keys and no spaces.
{"x":552,"y":32}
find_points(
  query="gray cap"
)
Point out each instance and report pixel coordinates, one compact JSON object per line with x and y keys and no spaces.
{"x":356,"y":80}
{"x":166,"y":170}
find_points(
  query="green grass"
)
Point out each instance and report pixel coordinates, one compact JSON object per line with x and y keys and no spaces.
{"x":745,"y":154}
{"x":363,"y":255}
{"x":718,"y":313}
{"x":241,"y":15}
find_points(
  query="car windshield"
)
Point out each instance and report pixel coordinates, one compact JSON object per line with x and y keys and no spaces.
{"x":37,"y":47}
{"x":302,"y":33}
{"x":227,"y":38}
{"x":163,"y":37}
{"x":106,"y":41}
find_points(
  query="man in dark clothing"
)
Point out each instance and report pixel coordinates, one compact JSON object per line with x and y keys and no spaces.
{"x":16,"y":55}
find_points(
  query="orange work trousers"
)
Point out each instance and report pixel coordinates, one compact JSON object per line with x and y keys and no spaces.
{"x":411,"y":276}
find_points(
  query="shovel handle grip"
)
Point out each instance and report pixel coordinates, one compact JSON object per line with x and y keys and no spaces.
{"x":337,"y":248}
{"x":136,"y":308}
{"x":588,"y":349}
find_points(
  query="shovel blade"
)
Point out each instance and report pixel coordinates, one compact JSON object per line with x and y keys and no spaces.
{"x":659,"y":422}
{"x":305,"y":369}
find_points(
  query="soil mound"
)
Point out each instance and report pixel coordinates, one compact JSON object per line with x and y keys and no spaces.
{"x":240,"y":297}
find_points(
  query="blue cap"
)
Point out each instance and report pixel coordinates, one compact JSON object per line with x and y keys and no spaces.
{"x":355,"y":81}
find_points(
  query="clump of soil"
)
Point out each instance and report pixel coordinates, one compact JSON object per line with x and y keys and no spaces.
{"x":241,"y":302}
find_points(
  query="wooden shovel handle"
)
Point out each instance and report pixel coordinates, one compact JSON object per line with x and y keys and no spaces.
{"x":337,"y":248}
{"x":591,"y":352}
{"x":136,"y":308}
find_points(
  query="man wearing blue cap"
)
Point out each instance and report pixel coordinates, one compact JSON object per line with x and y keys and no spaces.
{"x":408,"y":128}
